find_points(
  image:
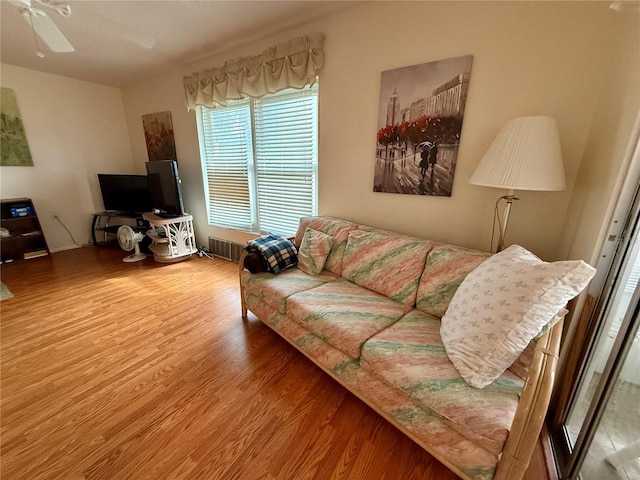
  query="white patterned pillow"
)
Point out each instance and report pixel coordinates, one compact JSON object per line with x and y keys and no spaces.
{"x":313,"y":251}
{"x":501,"y":306}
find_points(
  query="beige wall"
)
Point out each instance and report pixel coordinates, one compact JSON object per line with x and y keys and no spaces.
{"x":576,"y":61}
{"x":75,"y":130}
{"x":609,"y":146}
{"x":529,"y":58}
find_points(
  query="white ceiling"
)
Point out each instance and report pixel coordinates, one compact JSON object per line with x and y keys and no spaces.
{"x":106,"y":34}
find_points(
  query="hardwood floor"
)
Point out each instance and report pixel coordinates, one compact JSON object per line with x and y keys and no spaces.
{"x":136,"y":371}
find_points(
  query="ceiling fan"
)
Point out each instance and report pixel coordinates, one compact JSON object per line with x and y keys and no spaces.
{"x":36,"y":14}
{"x":42,"y":24}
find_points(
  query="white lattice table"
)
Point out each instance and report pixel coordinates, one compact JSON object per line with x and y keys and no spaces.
{"x":173,"y":238}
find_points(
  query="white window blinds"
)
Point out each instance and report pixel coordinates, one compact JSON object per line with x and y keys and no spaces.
{"x":286,"y":159}
{"x":260,"y":161}
{"x":228,"y":148}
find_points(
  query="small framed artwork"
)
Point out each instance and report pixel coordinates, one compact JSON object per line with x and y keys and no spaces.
{"x":14,"y":149}
{"x":419,"y":123}
{"x":158,"y":133}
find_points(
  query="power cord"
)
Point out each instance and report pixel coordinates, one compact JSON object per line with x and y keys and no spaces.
{"x":68,"y":231}
{"x":204,"y":252}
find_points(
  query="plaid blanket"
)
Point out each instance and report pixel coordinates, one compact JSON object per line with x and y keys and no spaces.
{"x":277,"y":252}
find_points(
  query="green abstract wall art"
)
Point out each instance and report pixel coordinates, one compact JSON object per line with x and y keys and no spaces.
{"x":14,"y":149}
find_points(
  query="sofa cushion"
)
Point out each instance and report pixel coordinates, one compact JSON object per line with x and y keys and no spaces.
{"x":344,"y":314}
{"x":446,"y":268}
{"x":313,"y":251}
{"x":338,"y":229}
{"x":388,"y":264}
{"x":502,"y":305}
{"x":275,"y":289}
{"x":410,"y":355}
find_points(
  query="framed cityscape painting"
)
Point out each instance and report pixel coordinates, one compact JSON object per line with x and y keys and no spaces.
{"x":14,"y":149}
{"x":419,"y":124}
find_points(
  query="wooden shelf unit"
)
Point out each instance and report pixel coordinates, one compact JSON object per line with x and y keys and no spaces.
{"x":25,"y":239}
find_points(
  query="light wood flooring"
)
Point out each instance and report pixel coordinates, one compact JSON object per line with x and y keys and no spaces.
{"x":136,"y":371}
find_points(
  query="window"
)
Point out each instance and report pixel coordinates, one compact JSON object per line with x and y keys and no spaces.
{"x":260,"y":161}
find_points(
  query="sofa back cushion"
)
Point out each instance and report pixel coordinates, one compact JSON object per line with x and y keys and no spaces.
{"x":313,"y":251}
{"x":336,"y":228}
{"x":445,"y":269}
{"x":388,"y":264}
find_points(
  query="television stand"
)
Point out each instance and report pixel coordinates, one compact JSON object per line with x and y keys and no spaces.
{"x":178,"y":242}
{"x":104,"y":227}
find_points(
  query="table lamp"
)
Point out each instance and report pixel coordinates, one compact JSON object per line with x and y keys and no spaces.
{"x":524,"y":156}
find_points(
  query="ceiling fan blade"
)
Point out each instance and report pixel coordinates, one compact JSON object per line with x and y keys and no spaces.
{"x":48,"y":32}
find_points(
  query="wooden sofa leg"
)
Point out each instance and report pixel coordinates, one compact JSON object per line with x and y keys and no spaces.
{"x":243,"y":305}
{"x":240,"y":270}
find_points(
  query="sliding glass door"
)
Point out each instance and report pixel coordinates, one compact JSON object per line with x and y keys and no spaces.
{"x":598,"y":437}
{"x":595,"y":412}
{"x":604,"y":425}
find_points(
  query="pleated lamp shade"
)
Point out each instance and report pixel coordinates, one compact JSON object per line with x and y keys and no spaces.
{"x":524,"y":156}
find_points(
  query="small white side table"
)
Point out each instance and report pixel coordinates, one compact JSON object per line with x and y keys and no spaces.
{"x":173,"y":238}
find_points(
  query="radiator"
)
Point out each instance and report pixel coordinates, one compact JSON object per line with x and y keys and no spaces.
{"x":225,"y":249}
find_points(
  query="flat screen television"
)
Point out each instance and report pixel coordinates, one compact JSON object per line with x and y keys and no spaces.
{"x":164,"y":183}
{"x":125,"y":193}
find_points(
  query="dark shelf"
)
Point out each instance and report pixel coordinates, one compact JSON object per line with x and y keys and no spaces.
{"x":25,"y":239}
{"x":105,"y":225}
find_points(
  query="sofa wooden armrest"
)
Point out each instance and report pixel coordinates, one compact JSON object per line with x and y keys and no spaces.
{"x":532,"y":407}
{"x":241,"y":267}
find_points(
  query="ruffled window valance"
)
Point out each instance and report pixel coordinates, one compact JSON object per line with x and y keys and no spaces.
{"x":294,"y":64}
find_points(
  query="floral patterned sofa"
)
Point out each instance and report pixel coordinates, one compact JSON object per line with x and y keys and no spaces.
{"x":371,"y":313}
